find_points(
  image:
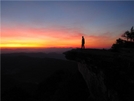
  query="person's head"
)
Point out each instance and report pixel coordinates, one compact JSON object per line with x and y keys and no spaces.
{"x":82,"y":36}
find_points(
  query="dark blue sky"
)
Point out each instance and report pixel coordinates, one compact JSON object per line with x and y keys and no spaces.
{"x":90,"y":18}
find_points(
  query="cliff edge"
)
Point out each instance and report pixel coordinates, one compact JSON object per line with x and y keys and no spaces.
{"x":108,"y":75}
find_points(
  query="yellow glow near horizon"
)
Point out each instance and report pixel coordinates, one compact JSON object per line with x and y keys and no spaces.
{"x":17,"y":45}
{"x":44,"y":38}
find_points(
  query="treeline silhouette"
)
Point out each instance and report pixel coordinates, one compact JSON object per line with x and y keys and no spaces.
{"x":127,"y":41}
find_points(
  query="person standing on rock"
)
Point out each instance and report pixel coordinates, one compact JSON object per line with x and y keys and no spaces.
{"x":83,"y":43}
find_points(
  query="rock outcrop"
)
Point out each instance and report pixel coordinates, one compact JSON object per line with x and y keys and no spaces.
{"x":95,"y":82}
{"x":108,"y":75}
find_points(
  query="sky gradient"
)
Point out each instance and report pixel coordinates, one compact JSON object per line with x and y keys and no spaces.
{"x":62,"y":23}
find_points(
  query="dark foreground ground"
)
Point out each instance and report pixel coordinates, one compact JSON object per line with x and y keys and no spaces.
{"x":110,"y":75}
{"x":26,"y":78}
{"x":34,"y":78}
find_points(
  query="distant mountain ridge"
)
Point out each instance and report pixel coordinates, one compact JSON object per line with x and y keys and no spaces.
{"x":37,"y":54}
{"x":26,"y":78}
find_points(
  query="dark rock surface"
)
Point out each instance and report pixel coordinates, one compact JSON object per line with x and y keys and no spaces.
{"x":108,"y":75}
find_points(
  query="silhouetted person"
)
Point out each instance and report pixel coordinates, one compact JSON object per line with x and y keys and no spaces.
{"x":83,"y":43}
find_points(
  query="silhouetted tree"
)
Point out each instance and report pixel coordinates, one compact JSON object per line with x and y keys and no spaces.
{"x":129,"y":35}
{"x":126,"y":35}
{"x":128,"y":43}
{"x":119,"y":41}
{"x":132,"y":34}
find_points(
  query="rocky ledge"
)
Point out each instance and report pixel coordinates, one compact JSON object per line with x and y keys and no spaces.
{"x":109,"y":75}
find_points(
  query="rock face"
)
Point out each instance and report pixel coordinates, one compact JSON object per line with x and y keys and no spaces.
{"x":95,"y":82}
{"x":108,"y":75}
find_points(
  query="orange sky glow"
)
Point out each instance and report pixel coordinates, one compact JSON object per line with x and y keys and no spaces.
{"x":44,"y":24}
{"x":50,"y":37}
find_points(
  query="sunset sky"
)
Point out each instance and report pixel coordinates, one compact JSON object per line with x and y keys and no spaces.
{"x":44,"y":24}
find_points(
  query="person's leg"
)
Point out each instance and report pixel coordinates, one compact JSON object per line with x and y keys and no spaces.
{"x":81,"y":46}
